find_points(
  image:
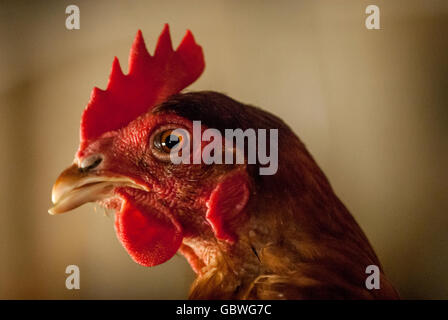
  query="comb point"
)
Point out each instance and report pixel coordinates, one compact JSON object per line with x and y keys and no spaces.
{"x":116,"y":74}
{"x":188,"y":46}
{"x":138,"y":54}
{"x":96,"y":92}
{"x":188,"y":39}
{"x":164,"y":46}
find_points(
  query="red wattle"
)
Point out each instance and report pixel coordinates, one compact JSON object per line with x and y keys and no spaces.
{"x":150,"y":236}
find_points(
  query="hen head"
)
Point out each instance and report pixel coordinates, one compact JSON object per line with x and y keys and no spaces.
{"x":123,"y":161}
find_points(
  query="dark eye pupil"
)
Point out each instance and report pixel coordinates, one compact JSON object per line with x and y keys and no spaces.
{"x":171,"y":141}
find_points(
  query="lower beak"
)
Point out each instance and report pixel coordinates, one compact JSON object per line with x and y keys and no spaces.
{"x":74,"y":187}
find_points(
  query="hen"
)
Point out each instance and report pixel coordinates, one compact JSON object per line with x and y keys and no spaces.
{"x":246,"y":235}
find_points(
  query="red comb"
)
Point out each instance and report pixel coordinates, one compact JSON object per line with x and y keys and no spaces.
{"x":151,"y":80}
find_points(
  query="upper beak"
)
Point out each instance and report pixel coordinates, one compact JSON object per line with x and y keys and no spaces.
{"x":75,"y":187}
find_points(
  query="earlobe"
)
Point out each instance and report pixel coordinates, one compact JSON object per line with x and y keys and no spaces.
{"x":226,"y":206}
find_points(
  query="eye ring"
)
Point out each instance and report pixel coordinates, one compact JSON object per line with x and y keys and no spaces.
{"x":166,"y":140}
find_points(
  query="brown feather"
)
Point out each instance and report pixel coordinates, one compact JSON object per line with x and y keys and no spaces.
{"x":300,"y":242}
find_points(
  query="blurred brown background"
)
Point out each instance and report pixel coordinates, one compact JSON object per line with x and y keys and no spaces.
{"x":371,"y":105}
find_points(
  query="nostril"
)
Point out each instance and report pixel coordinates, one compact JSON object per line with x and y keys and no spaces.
{"x":90,"y":163}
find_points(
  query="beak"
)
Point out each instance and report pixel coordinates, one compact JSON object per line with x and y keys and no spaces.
{"x":75,"y":187}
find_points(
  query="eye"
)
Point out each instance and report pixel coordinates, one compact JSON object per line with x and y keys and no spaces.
{"x":166,"y":140}
{"x":169,"y":140}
